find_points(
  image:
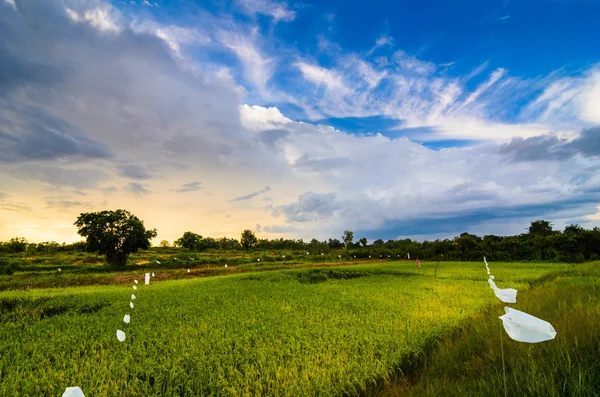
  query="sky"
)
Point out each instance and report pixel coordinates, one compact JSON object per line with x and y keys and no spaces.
{"x":299,"y":119}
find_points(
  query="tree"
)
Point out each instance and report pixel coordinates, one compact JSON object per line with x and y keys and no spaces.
{"x":189,"y":240}
{"x":543,"y":228}
{"x":115,"y":234}
{"x":248,"y":239}
{"x":378,"y":242}
{"x":17,"y":244}
{"x":165,"y":244}
{"x":348,"y":237}
{"x":363,"y":241}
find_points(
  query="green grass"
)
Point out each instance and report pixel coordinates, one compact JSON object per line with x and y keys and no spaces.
{"x":467,"y":360}
{"x":323,"y":331}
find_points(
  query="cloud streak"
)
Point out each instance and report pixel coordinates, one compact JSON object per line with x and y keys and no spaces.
{"x":253,"y":194}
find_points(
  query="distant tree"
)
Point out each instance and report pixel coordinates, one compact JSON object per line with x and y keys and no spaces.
{"x":248,"y":239}
{"x":17,"y":244}
{"x":189,"y":240}
{"x":348,"y":237}
{"x":165,"y":244}
{"x":115,"y":234}
{"x":363,"y":241}
{"x":378,"y":242}
{"x":335,"y":243}
{"x":574,"y":229}
{"x":543,"y":228}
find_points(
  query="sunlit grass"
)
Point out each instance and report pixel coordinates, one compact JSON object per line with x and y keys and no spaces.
{"x":292,"y":332}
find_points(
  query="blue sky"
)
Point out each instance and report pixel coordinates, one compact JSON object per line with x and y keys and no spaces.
{"x":300,"y":119}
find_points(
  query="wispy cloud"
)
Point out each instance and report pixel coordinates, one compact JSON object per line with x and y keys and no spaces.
{"x":190,"y":187}
{"x":137,"y":189}
{"x":278,"y":10}
{"x":252,"y":195}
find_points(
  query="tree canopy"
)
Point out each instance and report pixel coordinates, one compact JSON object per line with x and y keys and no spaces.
{"x":115,"y":234}
{"x":248,"y":239}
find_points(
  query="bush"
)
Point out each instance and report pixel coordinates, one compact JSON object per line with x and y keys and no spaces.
{"x":8,"y":268}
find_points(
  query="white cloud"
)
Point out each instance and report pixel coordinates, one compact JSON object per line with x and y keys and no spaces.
{"x":590,"y":98}
{"x":258,"y":118}
{"x":380,"y":42}
{"x":412,"y":64}
{"x":257,"y":68}
{"x":279,"y":11}
{"x":321,"y":76}
{"x":11,"y":3}
{"x":104,"y":18}
{"x":174,"y":36}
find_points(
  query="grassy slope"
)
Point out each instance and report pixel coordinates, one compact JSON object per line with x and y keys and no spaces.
{"x":296,"y":332}
{"x":467,"y":361}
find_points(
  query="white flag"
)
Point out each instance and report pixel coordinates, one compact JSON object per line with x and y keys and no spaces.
{"x":147,"y":278}
{"x":73,"y":392}
{"x":524,"y":327}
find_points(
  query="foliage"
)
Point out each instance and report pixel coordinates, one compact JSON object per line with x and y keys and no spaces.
{"x":115,"y":234}
{"x":164,"y":244}
{"x":189,"y":240}
{"x":248,"y":239}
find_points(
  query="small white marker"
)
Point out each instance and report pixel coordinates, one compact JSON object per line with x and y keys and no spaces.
{"x":131,"y":305}
{"x":158,"y":262}
{"x":132,"y":297}
{"x":188,"y":270}
{"x":226,"y":265}
{"x":126,"y":319}
{"x":59,"y":269}
{"x":153,"y":275}
{"x":134,"y":287}
{"x":135,"y":281}
{"x":120,"y":335}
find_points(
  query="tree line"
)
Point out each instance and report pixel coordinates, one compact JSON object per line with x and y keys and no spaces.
{"x":116,"y":234}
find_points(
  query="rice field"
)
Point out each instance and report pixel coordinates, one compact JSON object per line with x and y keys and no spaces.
{"x":317,"y":331}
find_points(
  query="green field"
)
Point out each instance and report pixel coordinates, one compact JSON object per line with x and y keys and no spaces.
{"x":357,"y":330}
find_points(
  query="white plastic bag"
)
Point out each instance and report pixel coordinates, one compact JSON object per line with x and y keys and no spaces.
{"x":524,"y":327}
{"x":73,"y":392}
{"x":506,"y":295}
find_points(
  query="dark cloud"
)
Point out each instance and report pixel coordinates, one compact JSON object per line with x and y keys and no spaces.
{"x":35,"y":134}
{"x":258,"y":228}
{"x":547,"y":147}
{"x":134,"y":172}
{"x":59,"y":176}
{"x":309,"y":207}
{"x":456,"y":224}
{"x":252,"y":195}
{"x":190,"y":187}
{"x":137,"y":188}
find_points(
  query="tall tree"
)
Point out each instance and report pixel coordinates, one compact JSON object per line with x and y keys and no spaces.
{"x":248,"y":239}
{"x":115,"y":234}
{"x":348,"y":237}
{"x":363,"y":241}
